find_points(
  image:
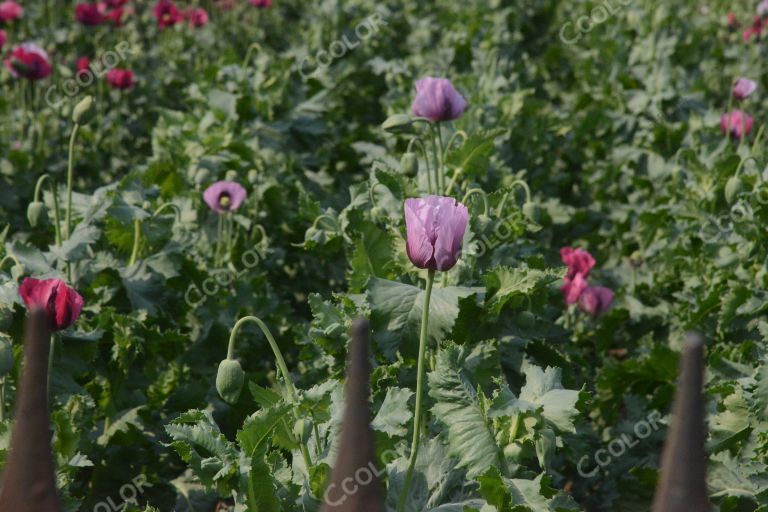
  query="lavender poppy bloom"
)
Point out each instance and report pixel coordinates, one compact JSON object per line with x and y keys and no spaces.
{"x":733,"y":121}
{"x":437,"y":100}
{"x":435,"y":227}
{"x":224,"y":196}
{"x":596,"y":300}
{"x":743,"y":88}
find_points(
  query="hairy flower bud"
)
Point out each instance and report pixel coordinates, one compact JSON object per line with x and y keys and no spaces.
{"x":35,"y":211}
{"x":229,"y":380}
{"x":84,"y":111}
{"x":409,"y":164}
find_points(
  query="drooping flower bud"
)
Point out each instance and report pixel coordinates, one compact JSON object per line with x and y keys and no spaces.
{"x":409,"y":164}
{"x":35,"y":211}
{"x":84,"y":111}
{"x":229,"y":380}
{"x":733,"y":187}
{"x":532,"y":211}
{"x":398,"y":123}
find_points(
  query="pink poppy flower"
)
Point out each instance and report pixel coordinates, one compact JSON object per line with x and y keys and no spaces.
{"x":224,"y":196}
{"x":197,"y":17}
{"x":119,"y":78}
{"x":435,"y":227}
{"x":61,"y":303}
{"x":29,"y":61}
{"x":743,"y":88}
{"x":734,"y":121}
{"x":578,"y":261}
{"x":9,"y":11}
{"x":437,"y":100}
{"x":573,"y":288}
{"x":596,"y":300}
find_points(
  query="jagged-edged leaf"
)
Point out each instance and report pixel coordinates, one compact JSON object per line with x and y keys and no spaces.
{"x":394,"y":414}
{"x":544,"y":389}
{"x":505,"y":283}
{"x":458,"y":406}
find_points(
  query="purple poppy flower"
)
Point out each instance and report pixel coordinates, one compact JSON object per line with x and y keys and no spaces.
{"x":437,"y":100}
{"x":435,"y":227}
{"x":596,"y":300}
{"x":743,"y":88}
{"x":733,"y":121}
{"x":225,"y":196}
{"x":578,"y":261}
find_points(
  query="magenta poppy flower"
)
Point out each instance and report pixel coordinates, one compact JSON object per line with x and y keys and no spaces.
{"x":166,"y":13}
{"x":29,"y":61}
{"x":119,"y":78}
{"x":261,"y":4}
{"x":435,"y":227}
{"x":596,"y":300}
{"x":82,"y":67}
{"x":9,"y":11}
{"x":755,"y":30}
{"x":225,"y":196}
{"x":3,"y":38}
{"x":115,"y":16}
{"x":61,"y":303}
{"x":437,"y":100}
{"x":197,"y":17}
{"x":90,"y":14}
{"x":743,"y":88}
{"x":573,"y":288}
{"x":578,"y":261}
{"x":734,"y":121}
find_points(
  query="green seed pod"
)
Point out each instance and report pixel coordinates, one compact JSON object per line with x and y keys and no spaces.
{"x":229,"y":380}
{"x":6,"y":356}
{"x":35,"y":211}
{"x":409,"y":164}
{"x":532,"y":212}
{"x":231,"y":175}
{"x":526,"y":319}
{"x":733,"y":187}
{"x":398,"y":123}
{"x":84,"y":111}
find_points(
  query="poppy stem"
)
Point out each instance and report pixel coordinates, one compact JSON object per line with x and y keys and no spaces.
{"x":51,"y":351}
{"x":136,"y":242}
{"x":419,"y":390}
{"x":438,"y":167}
{"x":426,"y":160}
{"x":482,"y":194}
{"x":70,"y":178}
{"x":55,"y":195}
{"x":218,"y":240}
{"x":281,"y":367}
{"x":2,"y":399}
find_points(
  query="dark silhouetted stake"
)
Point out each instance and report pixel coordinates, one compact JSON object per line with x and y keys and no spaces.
{"x":28,"y":483}
{"x":683,"y":482}
{"x":356,"y":459}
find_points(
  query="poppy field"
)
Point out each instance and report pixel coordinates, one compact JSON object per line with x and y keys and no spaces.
{"x":532,"y":204}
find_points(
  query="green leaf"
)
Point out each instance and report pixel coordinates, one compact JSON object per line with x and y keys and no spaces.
{"x":473,"y":157}
{"x":394,"y":414}
{"x":505,"y":284}
{"x":458,"y":406}
{"x":544,"y":390}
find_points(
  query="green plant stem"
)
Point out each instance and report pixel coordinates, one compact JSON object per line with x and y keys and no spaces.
{"x":419,"y":391}
{"x":51,"y":352}
{"x":438,"y":168}
{"x":2,"y":399}
{"x":56,"y":214}
{"x":482,"y":194}
{"x":70,"y":179}
{"x":426,"y":160}
{"x":281,"y":367}
{"x":136,"y":241}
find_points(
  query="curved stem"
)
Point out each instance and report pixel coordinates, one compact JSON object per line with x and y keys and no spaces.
{"x":370,"y":192}
{"x":419,"y":390}
{"x":56,"y":212}
{"x":39,"y":185}
{"x":502,"y":203}
{"x":524,"y":185}
{"x":168,"y":205}
{"x":759,"y":136}
{"x":482,"y":194}
{"x":136,"y":242}
{"x":70,"y":177}
{"x":426,"y":160}
{"x":280,"y":365}
{"x":458,"y":133}
{"x":12,"y":258}
{"x":247,"y":59}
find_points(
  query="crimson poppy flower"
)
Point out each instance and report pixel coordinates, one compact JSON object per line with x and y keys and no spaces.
{"x":166,"y":13}
{"x":90,"y":14}
{"x":29,"y":61}
{"x":119,"y":78}
{"x":61,"y":303}
{"x":82,"y":67}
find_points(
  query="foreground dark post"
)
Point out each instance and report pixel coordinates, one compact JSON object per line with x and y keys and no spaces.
{"x":683,"y":482}
{"x":28,"y":481}
{"x":354,"y":485}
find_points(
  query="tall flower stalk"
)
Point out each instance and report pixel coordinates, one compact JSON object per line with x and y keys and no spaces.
{"x":435,"y":228}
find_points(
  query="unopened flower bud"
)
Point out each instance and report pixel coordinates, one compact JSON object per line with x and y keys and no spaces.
{"x":398,"y":123}
{"x":733,"y":187}
{"x":229,"y":380}
{"x":84,"y":111}
{"x":409,"y":164}
{"x":35,"y":211}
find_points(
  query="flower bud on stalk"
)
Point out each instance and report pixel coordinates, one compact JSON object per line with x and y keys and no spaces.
{"x":532,"y":211}
{"x":409,"y":164}
{"x":35,"y":211}
{"x":229,"y":380}
{"x":84,"y":111}
{"x":733,"y":187}
{"x":398,"y":123}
